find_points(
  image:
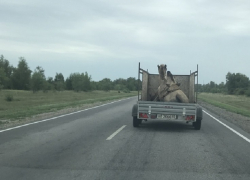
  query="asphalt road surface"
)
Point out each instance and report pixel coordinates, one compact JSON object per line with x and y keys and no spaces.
{"x":101,"y":143}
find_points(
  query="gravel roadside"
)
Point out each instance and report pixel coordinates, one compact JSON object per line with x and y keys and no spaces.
{"x":242,"y":122}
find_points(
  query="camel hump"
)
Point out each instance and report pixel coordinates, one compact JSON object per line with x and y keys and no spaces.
{"x":182,"y":97}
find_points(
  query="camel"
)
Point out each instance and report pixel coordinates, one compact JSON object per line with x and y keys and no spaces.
{"x":169,"y":90}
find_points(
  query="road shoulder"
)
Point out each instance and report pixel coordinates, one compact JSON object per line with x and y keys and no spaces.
{"x":240,"y":121}
{"x":39,"y":117}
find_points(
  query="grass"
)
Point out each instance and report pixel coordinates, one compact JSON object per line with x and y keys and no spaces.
{"x":26,"y":103}
{"x":233,"y":103}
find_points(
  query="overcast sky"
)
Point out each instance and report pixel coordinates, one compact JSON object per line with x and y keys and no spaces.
{"x":107,"y":38}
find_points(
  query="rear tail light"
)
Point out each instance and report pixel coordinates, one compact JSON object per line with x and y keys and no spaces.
{"x":190,"y":117}
{"x":143,"y":115}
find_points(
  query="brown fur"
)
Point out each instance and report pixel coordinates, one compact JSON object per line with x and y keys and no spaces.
{"x":162,"y":69}
{"x":169,"y":90}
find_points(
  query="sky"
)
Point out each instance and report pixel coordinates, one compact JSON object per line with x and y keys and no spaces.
{"x":108,"y":38}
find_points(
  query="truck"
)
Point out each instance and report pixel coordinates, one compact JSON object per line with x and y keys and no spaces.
{"x":146,"y":109}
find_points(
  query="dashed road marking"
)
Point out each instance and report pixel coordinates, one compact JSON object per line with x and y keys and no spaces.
{"x":116,"y":132}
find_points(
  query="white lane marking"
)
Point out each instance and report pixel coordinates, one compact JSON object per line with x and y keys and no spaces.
{"x":61,"y":115}
{"x":116,"y":132}
{"x":236,"y":132}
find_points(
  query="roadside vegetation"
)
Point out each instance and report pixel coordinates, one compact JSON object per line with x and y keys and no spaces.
{"x":26,"y":103}
{"x":236,"y":84}
{"x":234,"y":103}
{"x":24,"y":93}
{"x":234,"y":95}
{"x":23,"y":78}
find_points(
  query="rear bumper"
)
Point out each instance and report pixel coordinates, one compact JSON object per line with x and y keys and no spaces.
{"x":188,"y":118}
{"x":151,"y":110}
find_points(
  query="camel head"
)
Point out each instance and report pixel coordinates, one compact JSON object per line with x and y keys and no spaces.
{"x":162,"y":69}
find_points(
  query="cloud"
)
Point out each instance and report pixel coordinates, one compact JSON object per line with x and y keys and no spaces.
{"x":180,"y":33}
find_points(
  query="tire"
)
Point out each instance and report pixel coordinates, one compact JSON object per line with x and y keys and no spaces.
{"x":197,"y":124}
{"x":136,"y":121}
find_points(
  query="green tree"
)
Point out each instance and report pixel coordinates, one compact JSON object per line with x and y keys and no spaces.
{"x":77,"y":82}
{"x":50,"y":80}
{"x":236,"y":83}
{"x":38,"y":80}
{"x":59,"y":82}
{"x":119,"y":87}
{"x":222,"y":87}
{"x":200,"y":88}
{"x":49,"y":84}
{"x":7,"y":71}
{"x":122,"y":82}
{"x":132,"y":84}
{"x":105,"y":84}
{"x":87,"y":81}
{"x":80,"y":82}
{"x":94,"y":85}
{"x":212,"y":84}
{"x":21,"y":75}
{"x":68,"y":83}
{"x":2,"y":78}
{"x":207,"y":87}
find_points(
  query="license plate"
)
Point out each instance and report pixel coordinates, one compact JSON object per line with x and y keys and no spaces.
{"x":164,"y":116}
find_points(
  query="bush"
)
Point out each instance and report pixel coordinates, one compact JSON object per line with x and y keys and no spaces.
{"x":247,"y":93}
{"x":239,"y":91}
{"x":126,"y":91}
{"x":214,"y":90}
{"x":38,"y":80}
{"x":9,"y":97}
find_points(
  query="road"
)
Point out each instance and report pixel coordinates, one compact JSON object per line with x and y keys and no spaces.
{"x":76,"y":147}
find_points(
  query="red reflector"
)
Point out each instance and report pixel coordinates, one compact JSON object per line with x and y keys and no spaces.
{"x":143,"y":115}
{"x":190,"y":117}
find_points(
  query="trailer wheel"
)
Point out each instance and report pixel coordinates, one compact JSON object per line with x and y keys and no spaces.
{"x":136,"y":121}
{"x":197,"y":124}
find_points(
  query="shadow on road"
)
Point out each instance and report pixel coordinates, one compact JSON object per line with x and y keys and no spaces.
{"x":166,"y":126}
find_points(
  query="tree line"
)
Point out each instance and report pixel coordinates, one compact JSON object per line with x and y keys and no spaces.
{"x":22,"y":78}
{"x":236,"y":84}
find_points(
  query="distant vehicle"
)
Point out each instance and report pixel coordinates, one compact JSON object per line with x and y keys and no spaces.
{"x":147,"y":109}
